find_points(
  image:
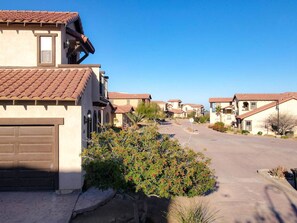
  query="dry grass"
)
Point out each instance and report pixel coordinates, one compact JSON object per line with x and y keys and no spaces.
{"x":191,"y":210}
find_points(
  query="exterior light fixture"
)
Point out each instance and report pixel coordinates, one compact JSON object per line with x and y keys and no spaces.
{"x":88,"y":117}
{"x":66,"y":44}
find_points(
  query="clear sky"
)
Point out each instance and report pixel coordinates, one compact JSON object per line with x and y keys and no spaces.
{"x":188,"y":49}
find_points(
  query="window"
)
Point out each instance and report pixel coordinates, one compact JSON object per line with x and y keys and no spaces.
{"x":245,"y":106}
{"x":248,"y":125}
{"x":46,"y":44}
{"x":253,"y":105}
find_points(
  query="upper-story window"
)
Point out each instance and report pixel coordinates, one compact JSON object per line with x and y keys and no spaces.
{"x":245,"y":106}
{"x":46,"y":49}
{"x":253,"y":105}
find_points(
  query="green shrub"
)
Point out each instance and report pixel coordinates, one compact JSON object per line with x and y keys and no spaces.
{"x":202,"y":119}
{"x":260,"y":133}
{"x":220,"y":127}
{"x":146,"y":161}
{"x":245,"y":132}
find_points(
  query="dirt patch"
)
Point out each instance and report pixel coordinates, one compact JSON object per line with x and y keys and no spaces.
{"x":121,"y":209}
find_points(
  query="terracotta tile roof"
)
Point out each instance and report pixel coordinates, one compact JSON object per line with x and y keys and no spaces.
{"x":174,"y":100}
{"x":64,"y":84}
{"x":195,"y":105}
{"x":270,"y":105}
{"x":257,"y":97}
{"x":159,"y":102}
{"x":226,"y":100}
{"x":122,"y":109}
{"x":14,"y":16}
{"x":118,"y":95}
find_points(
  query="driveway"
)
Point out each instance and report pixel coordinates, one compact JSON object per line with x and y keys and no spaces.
{"x":242,"y":194}
{"x":35,"y":207}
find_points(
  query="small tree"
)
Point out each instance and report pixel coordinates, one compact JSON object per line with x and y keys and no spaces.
{"x":281,"y":123}
{"x":219,"y":111}
{"x":150,"y":111}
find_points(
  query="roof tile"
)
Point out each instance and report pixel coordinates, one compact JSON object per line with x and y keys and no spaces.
{"x":118,"y":95}
{"x":43,"y":83}
{"x":20,"y":16}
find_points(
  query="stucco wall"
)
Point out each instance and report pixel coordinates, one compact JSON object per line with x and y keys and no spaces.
{"x":132,"y":102}
{"x":226,"y":118}
{"x":259,"y":104}
{"x":69,"y":137}
{"x":258,"y":120}
{"x":20,"y":45}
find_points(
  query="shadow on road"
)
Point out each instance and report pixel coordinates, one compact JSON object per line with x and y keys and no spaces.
{"x":272,"y":212}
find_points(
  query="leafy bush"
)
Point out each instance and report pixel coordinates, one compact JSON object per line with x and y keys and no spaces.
{"x":220,"y":127}
{"x":202,"y":119}
{"x":260,"y":133}
{"x":279,"y":172}
{"x":245,"y":132}
{"x":146,"y":161}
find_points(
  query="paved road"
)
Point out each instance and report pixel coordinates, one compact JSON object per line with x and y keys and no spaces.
{"x":242,"y":194}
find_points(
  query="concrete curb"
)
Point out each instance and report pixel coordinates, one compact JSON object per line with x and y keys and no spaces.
{"x":283,"y":185}
{"x":92,"y":199}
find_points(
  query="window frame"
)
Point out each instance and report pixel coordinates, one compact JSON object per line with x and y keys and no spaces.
{"x":253,"y":106}
{"x":250,"y":126}
{"x":53,"y":36}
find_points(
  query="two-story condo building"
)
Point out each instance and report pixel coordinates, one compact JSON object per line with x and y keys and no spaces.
{"x":222,"y":110}
{"x":196,"y":108}
{"x":49,"y":103}
{"x":250,"y":111}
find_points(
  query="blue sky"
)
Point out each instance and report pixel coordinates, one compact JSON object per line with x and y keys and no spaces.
{"x":188,"y":49}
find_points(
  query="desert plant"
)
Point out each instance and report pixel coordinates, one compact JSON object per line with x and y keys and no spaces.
{"x":148,"y":162}
{"x":278,"y":172}
{"x":135,"y":118}
{"x":150,"y":111}
{"x":220,"y":127}
{"x":196,"y":212}
{"x":259,"y":133}
{"x":202,"y":119}
{"x":244,"y":132}
{"x":281,"y":123}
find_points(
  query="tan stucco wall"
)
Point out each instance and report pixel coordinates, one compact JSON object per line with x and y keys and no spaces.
{"x":226,"y":118}
{"x":258,"y":120}
{"x":132,"y":102}
{"x":119,"y":120}
{"x":259,"y":104}
{"x":20,"y":46}
{"x":69,"y":137}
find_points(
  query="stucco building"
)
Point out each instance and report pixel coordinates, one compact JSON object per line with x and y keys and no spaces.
{"x":49,"y":103}
{"x":250,"y":111}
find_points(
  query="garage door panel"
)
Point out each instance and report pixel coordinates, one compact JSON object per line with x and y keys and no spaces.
{"x":36,"y":165}
{"x":6,"y":148}
{"x":36,"y":131}
{"x":6,"y":164}
{"x":7,"y":131}
{"x":31,"y":148}
{"x":35,"y":139}
{"x":27,"y":158}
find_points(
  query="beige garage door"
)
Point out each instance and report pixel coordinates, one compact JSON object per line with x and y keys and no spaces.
{"x":28,"y":158}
